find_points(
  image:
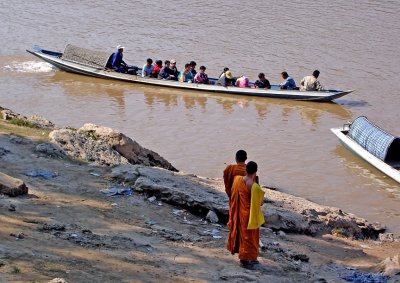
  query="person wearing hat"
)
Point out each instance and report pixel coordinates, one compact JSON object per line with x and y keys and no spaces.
{"x":117,"y":63}
{"x":226,"y":78}
{"x":174,"y":70}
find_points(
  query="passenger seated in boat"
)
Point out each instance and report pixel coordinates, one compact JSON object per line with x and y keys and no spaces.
{"x":288,"y":82}
{"x":201,"y":77}
{"x":186,"y":75}
{"x":174,"y":70}
{"x":193,"y":68}
{"x":166,"y":72}
{"x":117,"y":63}
{"x":157,"y":68}
{"x":147,"y":68}
{"x":243,"y":82}
{"x":262,"y":82}
{"x":309,"y":83}
{"x":226,"y":78}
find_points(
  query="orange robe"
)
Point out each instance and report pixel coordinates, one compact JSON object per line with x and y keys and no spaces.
{"x":241,"y":240}
{"x":229,"y":175}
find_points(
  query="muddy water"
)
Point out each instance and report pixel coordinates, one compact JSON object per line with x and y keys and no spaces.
{"x":355,"y":46}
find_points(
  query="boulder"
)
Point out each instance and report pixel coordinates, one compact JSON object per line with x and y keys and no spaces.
{"x":105,"y":146}
{"x":294,"y":214}
{"x":80,"y":145}
{"x":41,"y":122}
{"x":390,"y":266}
{"x":11,"y":186}
{"x":212,"y":217}
{"x":282,"y":211}
{"x":128,"y":148}
{"x":35,"y":120}
{"x":50,"y":149}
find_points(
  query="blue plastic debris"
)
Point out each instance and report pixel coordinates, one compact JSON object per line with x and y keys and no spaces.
{"x":46,"y":174}
{"x":151,"y":222}
{"x":117,"y":191}
{"x":95,"y":174}
{"x":359,"y":277}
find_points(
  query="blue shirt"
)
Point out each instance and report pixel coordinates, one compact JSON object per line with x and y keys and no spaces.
{"x":289,"y":83}
{"x":116,"y":62}
{"x":147,"y":70}
{"x":165,"y":73}
{"x":188,"y":76}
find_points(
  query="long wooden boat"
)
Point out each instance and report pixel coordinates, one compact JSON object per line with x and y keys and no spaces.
{"x":92,"y":63}
{"x":374,"y":145}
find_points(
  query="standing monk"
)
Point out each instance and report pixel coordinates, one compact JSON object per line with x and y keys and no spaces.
{"x":245,"y":217}
{"x":238,"y":169}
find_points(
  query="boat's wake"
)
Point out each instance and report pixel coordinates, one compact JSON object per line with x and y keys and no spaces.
{"x":29,"y":67}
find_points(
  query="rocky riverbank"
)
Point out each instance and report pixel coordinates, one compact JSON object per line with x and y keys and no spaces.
{"x":95,"y":206}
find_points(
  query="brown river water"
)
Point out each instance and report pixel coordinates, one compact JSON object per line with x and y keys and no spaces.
{"x":355,"y":45}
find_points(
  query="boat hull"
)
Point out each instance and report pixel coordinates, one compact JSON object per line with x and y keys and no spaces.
{"x":354,"y":147}
{"x":56,"y":60}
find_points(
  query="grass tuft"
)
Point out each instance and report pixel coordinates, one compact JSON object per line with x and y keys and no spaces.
{"x":22,"y":123}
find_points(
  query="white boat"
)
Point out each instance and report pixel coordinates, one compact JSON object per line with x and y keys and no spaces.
{"x":93,"y":63}
{"x":374,"y":145}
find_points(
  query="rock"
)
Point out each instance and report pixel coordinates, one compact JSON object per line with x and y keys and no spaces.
{"x":197,"y":195}
{"x":389,"y":237}
{"x":298,"y":215}
{"x":81,"y":146}
{"x":390,"y":266}
{"x":57,"y":280}
{"x":50,"y":150}
{"x":11,"y":207}
{"x":34,"y":121}
{"x":11,"y":186}
{"x":127,"y":147}
{"x":212,"y":217}
{"x":283,"y":212}
{"x":281,"y":233}
{"x":301,"y":257}
{"x":3,"y":151}
{"x":151,"y":199}
{"x":7,"y":114}
{"x":41,"y":122}
{"x":124,"y":173}
{"x":105,"y":146}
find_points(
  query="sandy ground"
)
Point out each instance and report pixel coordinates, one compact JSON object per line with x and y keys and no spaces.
{"x":66,"y":227}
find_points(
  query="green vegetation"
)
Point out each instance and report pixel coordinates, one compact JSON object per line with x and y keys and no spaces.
{"x":22,"y":123}
{"x":24,"y":132}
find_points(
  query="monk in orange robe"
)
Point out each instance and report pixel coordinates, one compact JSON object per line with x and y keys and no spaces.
{"x":241,"y":239}
{"x":238,"y":169}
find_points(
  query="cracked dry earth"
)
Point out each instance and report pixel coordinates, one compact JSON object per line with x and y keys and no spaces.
{"x":66,"y":227}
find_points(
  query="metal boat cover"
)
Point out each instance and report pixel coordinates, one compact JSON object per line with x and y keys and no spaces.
{"x":372,"y":138}
{"x":97,"y":59}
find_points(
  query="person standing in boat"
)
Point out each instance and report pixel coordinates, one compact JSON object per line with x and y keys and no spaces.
{"x":174,"y":70}
{"x":186,"y":74}
{"x":310,"y":83}
{"x":201,"y":77}
{"x":262,"y":82}
{"x":117,"y":63}
{"x":288,"y":82}
{"x":148,"y":68}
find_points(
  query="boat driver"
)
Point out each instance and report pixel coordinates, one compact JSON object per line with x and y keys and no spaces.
{"x":117,"y":63}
